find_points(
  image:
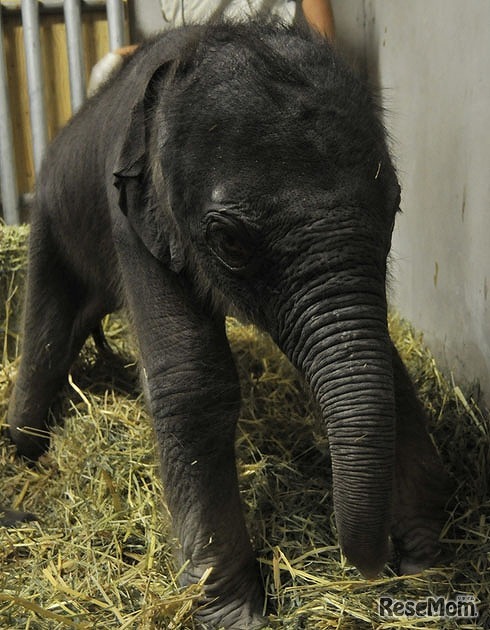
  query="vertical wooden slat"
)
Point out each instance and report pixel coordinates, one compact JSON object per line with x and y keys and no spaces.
{"x":19,"y":101}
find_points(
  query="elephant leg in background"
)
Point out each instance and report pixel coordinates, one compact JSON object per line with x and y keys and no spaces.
{"x":56,"y":324}
{"x":193,"y":394}
{"x":422,"y":487}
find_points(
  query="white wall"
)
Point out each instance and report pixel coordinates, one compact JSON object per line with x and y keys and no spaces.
{"x":431,"y":59}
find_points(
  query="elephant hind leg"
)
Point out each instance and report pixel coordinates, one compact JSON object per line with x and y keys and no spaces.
{"x":422,"y":486}
{"x":58,"y":318}
{"x":100,"y":340}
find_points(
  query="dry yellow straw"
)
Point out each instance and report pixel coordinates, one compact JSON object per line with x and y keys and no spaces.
{"x":101,"y":554}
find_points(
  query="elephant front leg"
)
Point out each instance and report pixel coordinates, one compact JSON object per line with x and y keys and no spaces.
{"x":193,"y":394}
{"x":422,"y":487}
{"x":195,"y":411}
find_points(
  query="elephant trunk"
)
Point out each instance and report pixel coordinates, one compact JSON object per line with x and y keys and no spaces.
{"x":342,"y":347}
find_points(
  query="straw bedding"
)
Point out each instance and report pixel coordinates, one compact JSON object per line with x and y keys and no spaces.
{"x":100,"y":555}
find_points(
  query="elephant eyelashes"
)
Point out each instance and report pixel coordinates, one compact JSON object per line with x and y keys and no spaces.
{"x":229,"y":241}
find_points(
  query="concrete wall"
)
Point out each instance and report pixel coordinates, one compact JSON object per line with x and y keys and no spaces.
{"x":431,"y":59}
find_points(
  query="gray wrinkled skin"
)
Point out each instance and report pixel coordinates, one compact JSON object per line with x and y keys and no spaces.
{"x":235,"y":168}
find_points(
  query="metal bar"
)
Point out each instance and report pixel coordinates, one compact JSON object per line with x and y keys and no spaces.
{"x":8,"y":178}
{"x":54,"y":6}
{"x":115,"y":18}
{"x":32,"y":47}
{"x":73,"y":19}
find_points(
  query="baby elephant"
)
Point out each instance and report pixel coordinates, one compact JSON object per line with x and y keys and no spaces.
{"x":244,"y":168}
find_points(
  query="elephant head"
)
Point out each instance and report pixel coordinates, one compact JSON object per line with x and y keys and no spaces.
{"x":276,"y":196}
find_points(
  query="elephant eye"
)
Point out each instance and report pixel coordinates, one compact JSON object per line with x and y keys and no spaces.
{"x":229,"y":241}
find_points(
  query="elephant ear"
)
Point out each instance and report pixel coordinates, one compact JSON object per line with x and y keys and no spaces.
{"x":147,"y":209}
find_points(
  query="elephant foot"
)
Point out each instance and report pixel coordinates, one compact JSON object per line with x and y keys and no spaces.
{"x":10,"y":518}
{"x":233,"y":601}
{"x":418,"y":549}
{"x":243,"y":617}
{"x":30,"y":443}
{"x":421,"y":508}
{"x":30,"y":437}
{"x":410,"y":566}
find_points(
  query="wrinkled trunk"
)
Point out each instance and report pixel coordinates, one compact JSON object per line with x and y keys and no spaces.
{"x":341,"y":345}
